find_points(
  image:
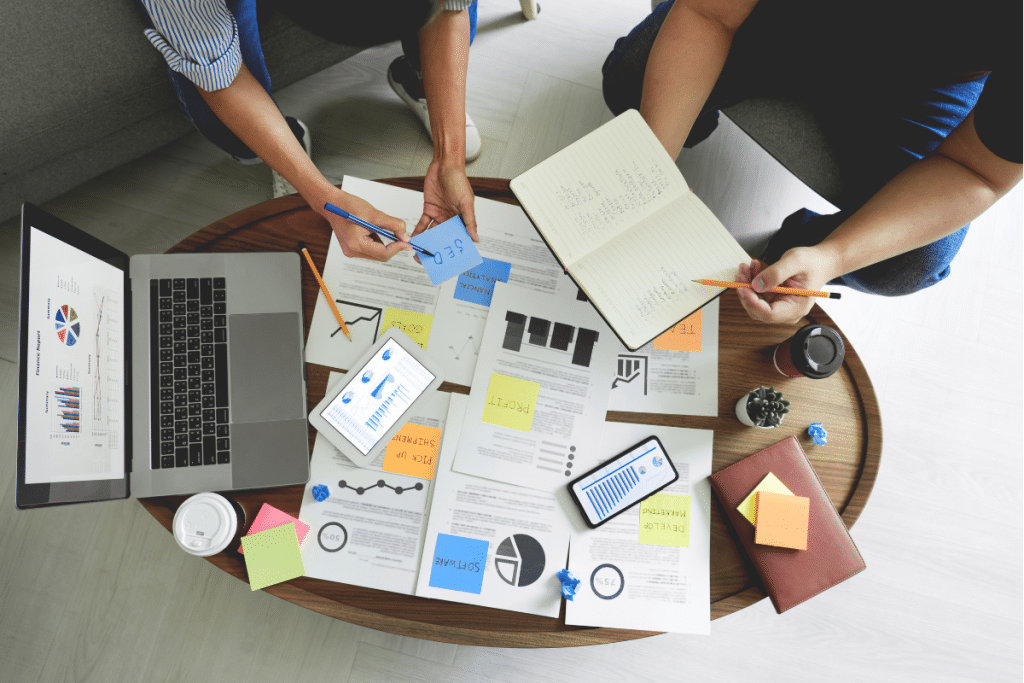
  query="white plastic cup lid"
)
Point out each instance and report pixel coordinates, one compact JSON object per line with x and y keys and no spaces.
{"x":205,"y":524}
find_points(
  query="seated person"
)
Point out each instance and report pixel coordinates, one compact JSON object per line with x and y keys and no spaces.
{"x":216,"y":64}
{"x":922,"y":101}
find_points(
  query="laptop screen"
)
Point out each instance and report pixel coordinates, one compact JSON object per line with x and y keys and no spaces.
{"x":73,"y":404}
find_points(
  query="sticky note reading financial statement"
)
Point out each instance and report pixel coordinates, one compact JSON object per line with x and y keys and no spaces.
{"x":416,"y":325}
{"x":453,"y":249}
{"x":413,"y":451}
{"x":771,"y":483}
{"x":683,"y":336}
{"x":476,"y":285}
{"x":665,"y":520}
{"x":458,"y":563}
{"x":273,"y":556}
{"x":510,"y":402}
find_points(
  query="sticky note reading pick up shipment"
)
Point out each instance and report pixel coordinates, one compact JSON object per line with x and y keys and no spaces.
{"x":510,"y":402}
{"x":452,"y":247}
{"x":413,"y":451}
{"x":416,"y":325}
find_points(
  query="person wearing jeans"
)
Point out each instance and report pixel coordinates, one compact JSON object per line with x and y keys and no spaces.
{"x":921,"y":100}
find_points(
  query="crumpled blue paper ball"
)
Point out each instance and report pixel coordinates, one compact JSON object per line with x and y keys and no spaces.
{"x":569,"y":583}
{"x":818,"y":433}
{"x":321,"y":493}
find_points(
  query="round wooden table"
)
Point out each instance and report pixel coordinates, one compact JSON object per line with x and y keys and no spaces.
{"x":847,"y":466}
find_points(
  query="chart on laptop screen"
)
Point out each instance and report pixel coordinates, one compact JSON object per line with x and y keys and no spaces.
{"x":74,"y":402}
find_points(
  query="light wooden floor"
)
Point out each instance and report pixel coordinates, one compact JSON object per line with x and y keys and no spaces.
{"x":101,"y":593}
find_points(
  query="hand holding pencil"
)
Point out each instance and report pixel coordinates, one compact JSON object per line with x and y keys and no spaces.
{"x":798,"y":269}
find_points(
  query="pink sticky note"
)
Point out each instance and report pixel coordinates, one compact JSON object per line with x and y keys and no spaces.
{"x":270,"y":517}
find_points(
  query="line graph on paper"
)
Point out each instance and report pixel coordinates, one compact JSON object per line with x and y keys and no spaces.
{"x":108,"y":373}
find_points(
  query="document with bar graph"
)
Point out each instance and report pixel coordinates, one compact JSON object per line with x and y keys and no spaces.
{"x":540,"y":391}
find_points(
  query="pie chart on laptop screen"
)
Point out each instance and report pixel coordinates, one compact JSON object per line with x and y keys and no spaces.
{"x":519,"y":560}
{"x":67,"y":325}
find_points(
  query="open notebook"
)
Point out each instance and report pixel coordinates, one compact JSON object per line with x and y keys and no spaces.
{"x":618,"y":215}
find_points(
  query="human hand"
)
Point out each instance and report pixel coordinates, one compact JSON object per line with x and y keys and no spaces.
{"x":801,"y":267}
{"x":357,"y":241}
{"x":447,"y":193}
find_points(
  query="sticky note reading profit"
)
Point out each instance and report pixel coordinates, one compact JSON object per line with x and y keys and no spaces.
{"x":413,"y":451}
{"x":453,"y":249}
{"x":416,"y":325}
{"x":510,"y":402}
{"x":683,"y":336}
{"x":771,"y":483}
{"x":476,"y":285}
{"x":273,"y":556}
{"x":269,"y":517}
{"x":458,"y":563}
{"x":782,"y":520}
{"x":665,"y":520}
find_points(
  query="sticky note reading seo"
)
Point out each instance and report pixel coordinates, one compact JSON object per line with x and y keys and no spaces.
{"x":452,"y":247}
{"x":273,"y":556}
{"x":683,"y":336}
{"x":771,"y":483}
{"x":458,"y":564}
{"x":416,"y":325}
{"x":476,"y":285}
{"x":665,"y":520}
{"x":413,"y":451}
{"x":510,"y":402}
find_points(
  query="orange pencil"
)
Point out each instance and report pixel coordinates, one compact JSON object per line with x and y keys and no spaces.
{"x":327,"y":293}
{"x":776,"y":290}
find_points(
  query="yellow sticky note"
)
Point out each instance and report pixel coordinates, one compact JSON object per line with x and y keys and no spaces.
{"x":683,"y":336}
{"x":416,"y":325}
{"x":272,"y":556}
{"x":510,"y":402}
{"x":413,"y":451}
{"x":771,"y":484}
{"x":665,"y":520}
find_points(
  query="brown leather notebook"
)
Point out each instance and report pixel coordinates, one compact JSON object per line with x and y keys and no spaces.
{"x":790,"y":576}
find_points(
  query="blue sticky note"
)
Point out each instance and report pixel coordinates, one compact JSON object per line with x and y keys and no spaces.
{"x":453,"y":249}
{"x":477,"y":284}
{"x":458,"y":564}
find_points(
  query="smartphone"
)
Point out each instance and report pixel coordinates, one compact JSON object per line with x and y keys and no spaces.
{"x":617,"y":485}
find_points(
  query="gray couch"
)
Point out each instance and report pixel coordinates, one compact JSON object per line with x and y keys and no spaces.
{"x":83,"y":91}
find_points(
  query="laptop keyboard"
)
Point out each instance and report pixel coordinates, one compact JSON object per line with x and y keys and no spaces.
{"x":189,"y":372}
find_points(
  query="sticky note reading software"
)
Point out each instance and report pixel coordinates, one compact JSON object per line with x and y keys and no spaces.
{"x":683,"y":336}
{"x":453,"y":249}
{"x":458,"y":564}
{"x":665,"y":520}
{"x":416,"y":325}
{"x":413,"y":451}
{"x":510,"y":402}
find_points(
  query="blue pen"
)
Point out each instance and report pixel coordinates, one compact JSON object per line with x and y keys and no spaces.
{"x":370,"y":226}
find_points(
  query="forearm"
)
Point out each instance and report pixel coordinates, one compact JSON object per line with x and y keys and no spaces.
{"x":444,"y":56}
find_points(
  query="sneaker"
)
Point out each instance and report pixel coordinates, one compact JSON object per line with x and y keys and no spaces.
{"x":282,"y":186}
{"x":405,"y":81}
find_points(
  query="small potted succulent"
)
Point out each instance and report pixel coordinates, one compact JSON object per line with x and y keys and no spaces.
{"x":762,"y":407}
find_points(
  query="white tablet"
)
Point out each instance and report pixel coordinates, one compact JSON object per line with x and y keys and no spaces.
{"x":368,"y":406}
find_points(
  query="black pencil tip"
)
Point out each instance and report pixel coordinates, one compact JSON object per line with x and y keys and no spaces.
{"x":835,"y":295}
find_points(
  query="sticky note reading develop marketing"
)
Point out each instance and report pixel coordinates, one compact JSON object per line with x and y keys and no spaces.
{"x":665,"y":520}
{"x":510,"y":402}
{"x":476,"y":285}
{"x":416,"y":325}
{"x":782,"y":520}
{"x":683,"y":336}
{"x":413,"y":451}
{"x":272,"y":556}
{"x":771,"y":483}
{"x":452,"y":247}
{"x":269,"y":517}
{"x":458,"y":564}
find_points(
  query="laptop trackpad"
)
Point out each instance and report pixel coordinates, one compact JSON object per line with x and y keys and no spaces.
{"x":265,"y":357}
{"x":270,"y":454}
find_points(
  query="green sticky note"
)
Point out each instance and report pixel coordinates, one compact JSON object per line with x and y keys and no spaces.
{"x":771,"y":484}
{"x":665,"y":520}
{"x":510,"y":402}
{"x":273,"y":556}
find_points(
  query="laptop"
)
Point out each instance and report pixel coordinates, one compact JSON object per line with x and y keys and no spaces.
{"x":156,"y":374}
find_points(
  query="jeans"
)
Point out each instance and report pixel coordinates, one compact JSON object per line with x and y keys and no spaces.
{"x":878,"y":129}
{"x":357,"y":23}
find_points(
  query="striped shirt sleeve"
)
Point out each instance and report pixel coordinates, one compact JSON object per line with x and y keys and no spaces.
{"x":457,"y":4}
{"x":198,"y":38}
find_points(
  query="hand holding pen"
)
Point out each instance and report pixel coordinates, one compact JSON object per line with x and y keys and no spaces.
{"x":355,"y":240}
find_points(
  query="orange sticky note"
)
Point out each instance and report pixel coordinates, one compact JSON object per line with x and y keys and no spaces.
{"x":413,"y":451}
{"x":782,"y":520}
{"x":683,"y":336}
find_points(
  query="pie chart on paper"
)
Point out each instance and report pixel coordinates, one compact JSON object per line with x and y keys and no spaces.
{"x":519,"y":560}
{"x":67,"y":324}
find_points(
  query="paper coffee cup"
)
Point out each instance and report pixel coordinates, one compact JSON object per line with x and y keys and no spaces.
{"x":205,"y":524}
{"x":815,"y":351}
